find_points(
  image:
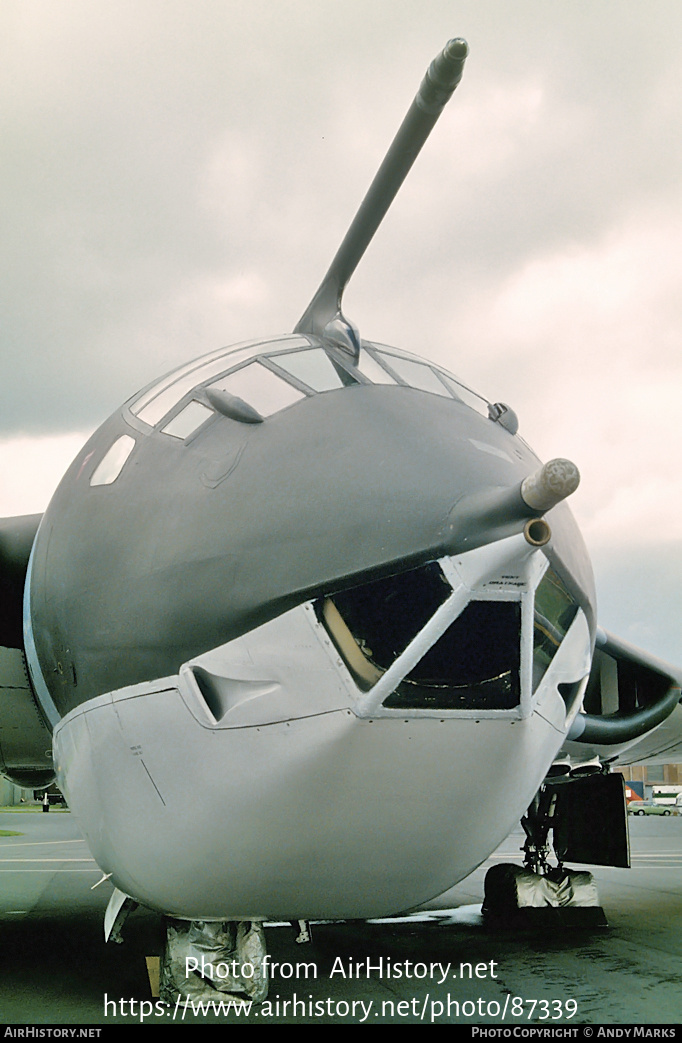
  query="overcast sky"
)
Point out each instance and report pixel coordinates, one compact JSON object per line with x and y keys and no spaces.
{"x":177,"y":176}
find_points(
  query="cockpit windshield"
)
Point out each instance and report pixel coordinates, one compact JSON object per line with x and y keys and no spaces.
{"x":270,"y":376}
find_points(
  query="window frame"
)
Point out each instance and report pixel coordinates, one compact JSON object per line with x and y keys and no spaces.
{"x":370,"y":703}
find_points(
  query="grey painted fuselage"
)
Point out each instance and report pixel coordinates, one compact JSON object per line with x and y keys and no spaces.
{"x":176,"y":636}
{"x":295,"y":613}
{"x":200,"y":540}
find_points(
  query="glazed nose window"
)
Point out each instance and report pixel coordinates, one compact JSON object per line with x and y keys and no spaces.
{"x":555,"y":610}
{"x":474,"y":665}
{"x":371,"y":625}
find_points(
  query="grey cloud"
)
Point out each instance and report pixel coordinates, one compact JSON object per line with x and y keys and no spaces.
{"x":177,"y":176}
{"x":116,"y":120}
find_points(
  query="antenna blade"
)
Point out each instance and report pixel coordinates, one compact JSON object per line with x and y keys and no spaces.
{"x":441,"y":78}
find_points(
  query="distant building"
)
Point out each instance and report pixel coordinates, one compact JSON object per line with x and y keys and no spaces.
{"x":653,"y":775}
{"x":646,"y":780}
{"x":11,"y":794}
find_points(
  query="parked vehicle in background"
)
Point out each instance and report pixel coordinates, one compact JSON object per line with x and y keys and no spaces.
{"x":647,"y":807}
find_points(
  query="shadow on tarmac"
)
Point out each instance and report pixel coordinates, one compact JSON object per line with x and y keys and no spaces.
{"x":444,"y":967}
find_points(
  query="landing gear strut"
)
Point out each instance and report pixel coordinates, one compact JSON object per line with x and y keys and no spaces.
{"x":540,"y":894}
{"x":207,"y":960}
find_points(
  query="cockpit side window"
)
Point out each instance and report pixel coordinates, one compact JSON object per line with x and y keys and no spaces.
{"x":370,"y":368}
{"x":313,"y":368}
{"x":555,"y":610}
{"x":416,"y":374}
{"x":164,"y":402}
{"x":260,"y":387}
{"x":113,"y":461}
{"x":464,"y":394}
{"x":159,"y":400}
{"x":167,"y":393}
{"x":270,"y":375}
{"x":420,"y":375}
{"x":188,"y":420}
